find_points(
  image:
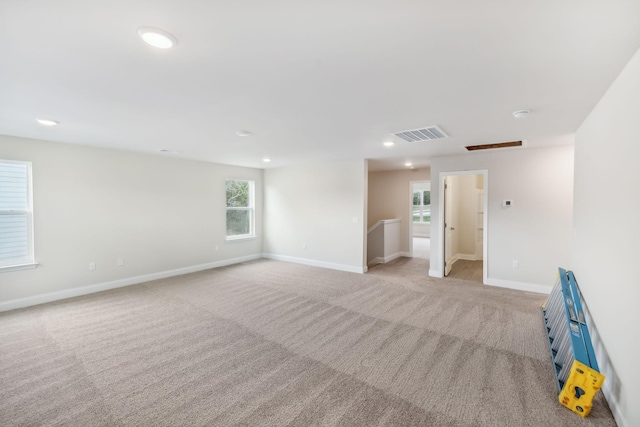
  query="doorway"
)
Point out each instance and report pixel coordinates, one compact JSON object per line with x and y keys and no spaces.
{"x":463,"y":225}
{"x":420,"y":219}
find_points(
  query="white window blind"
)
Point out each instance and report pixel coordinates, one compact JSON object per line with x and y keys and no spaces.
{"x":16,"y":225}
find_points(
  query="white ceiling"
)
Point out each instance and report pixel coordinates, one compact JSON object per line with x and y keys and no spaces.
{"x":312,"y":80}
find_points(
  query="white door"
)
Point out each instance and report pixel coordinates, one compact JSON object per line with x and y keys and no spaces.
{"x":448,"y":227}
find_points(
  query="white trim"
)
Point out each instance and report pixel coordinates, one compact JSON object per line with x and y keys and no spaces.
{"x":466,"y":257}
{"x":382,"y":260}
{"x":392,"y":257}
{"x":25,"y":263}
{"x":453,"y":260}
{"x":377,"y":260}
{"x":439,"y":244}
{"x":374,"y":226}
{"x":612,"y":401}
{"x":436,"y":273}
{"x":611,"y":387}
{"x":16,"y":267}
{"x":251,"y":209}
{"x":99,"y":287}
{"x":381,"y":222}
{"x":240,"y":238}
{"x":390,"y":221}
{"x":422,"y":235}
{"x":315,"y":263}
{"x":521,"y":286}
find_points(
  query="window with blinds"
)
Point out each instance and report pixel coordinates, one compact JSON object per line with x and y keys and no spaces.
{"x":240,"y":209}
{"x":16,"y":219}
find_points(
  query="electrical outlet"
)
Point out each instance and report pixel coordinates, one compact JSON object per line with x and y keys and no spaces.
{"x":92,"y":266}
{"x":355,"y":219}
{"x":304,"y":246}
{"x":120,"y":262}
{"x":515,"y":264}
{"x":217,"y":248}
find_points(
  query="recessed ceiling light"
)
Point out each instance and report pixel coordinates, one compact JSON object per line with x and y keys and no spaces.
{"x":243,"y":133}
{"x":266,"y":160}
{"x":389,"y":144}
{"x":47,"y":122}
{"x":408,"y":164}
{"x":157,"y":37}
{"x":520,"y":114}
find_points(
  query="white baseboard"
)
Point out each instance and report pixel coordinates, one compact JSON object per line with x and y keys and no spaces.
{"x":611,"y":388}
{"x":452,"y":260}
{"x":315,"y":263}
{"x":436,"y":273}
{"x":466,"y":257}
{"x":99,"y":287}
{"x":521,"y":286}
{"x":529,"y":287}
{"x":377,"y":260}
{"x":391,"y":257}
{"x":381,"y":260}
{"x":612,"y":398}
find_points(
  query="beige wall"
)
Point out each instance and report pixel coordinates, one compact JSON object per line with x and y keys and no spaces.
{"x":320,"y":206}
{"x":606,"y":234}
{"x":536,"y":230}
{"x":95,"y":205}
{"x":465,"y":214}
{"x":390,"y":197}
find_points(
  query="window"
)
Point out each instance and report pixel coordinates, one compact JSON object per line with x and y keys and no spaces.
{"x":16,"y":216}
{"x":240,"y":209}
{"x":422,"y":206}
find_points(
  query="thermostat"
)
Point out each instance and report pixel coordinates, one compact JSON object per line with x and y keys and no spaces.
{"x":507,"y":203}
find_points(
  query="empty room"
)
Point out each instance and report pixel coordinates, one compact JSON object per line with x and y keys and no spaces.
{"x":319,"y":213}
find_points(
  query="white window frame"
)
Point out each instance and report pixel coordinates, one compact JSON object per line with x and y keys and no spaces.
{"x":28,"y":262}
{"x":251,"y":209}
{"x":422,"y":205}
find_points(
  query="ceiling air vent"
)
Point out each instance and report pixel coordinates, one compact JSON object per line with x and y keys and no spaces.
{"x":423,"y":134}
{"x":492,"y":146}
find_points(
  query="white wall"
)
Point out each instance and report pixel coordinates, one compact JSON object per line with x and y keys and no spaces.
{"x":536,"y":230}
{"x":390,"y":197}
{"x":315,"y":205}
{"x":421,"y":229}
{"x":606,"y":235}
{"x":95,"y":205}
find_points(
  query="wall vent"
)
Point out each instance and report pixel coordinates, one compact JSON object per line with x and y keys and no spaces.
{"x":492,"y":146}
{"x":422,"y":134}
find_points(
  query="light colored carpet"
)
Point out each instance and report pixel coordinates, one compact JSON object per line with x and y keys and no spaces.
{"x":270,"y":343}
